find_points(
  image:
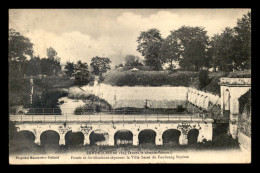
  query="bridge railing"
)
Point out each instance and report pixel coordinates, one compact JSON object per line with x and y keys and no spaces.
{"x":92,"y":111}
{"x":108,"y":118}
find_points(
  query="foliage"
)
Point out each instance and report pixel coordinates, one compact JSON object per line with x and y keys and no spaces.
{"x":81,"y":73}
{"x":149,"y":44}
{"x":51,"y":53}
{"x":203,"y":79}
{"x":20,"y":48}
{"x":149,"y":78}
{"x":231,"y":50}
{"x":100,"y":65}
{"x":69,"y":69}
{"x":192,"y":47}
{"x":94,"y":104}
{"x":132,"y":61}
{"x":33,"y":67}
{"x":19,"y":90}
{"x":170,"y":50}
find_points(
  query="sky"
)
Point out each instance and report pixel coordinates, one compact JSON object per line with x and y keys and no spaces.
{"x":80,"y":34}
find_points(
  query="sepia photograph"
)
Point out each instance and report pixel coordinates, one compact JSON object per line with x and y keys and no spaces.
{"x":129,"y":86}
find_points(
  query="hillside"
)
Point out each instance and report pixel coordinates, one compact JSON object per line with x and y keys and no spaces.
{"x":160,"y":78}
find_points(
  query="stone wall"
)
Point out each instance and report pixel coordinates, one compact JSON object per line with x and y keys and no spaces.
{"x":163,"y":97}
{"x":157,"y":97}
{"x":202,"y":99}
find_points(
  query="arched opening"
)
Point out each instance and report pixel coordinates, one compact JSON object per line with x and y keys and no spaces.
{"x":171,"y":137}
{"x":25,"y":139}
{"x":147,"y":137}
{"x":74,"y":139}
{"x":98,"y":137}
{"x":193,"y":136}
{"x":123,"y":137}
{"x":50,"y":138}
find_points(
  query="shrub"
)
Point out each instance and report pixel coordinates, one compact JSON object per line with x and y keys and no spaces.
{"x":203,"y":79}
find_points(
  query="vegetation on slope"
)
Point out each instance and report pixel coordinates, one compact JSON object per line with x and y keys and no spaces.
{"x":169,"y":78}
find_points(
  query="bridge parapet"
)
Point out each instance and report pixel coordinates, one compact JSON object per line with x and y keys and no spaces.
{"x":109,"y":118}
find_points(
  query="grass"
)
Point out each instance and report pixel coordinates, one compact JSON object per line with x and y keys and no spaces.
{"x":149,"y":78}
{"x":124,"y":77}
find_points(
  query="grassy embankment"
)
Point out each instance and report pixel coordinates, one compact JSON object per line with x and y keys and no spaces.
{"x":168,"y":78}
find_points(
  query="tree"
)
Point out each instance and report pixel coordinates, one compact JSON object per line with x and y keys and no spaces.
{"x":132,"y":61}
{"x":20,"y":48}
{"x":170,"y":50}
{"x":152,"y":57}
{"x":33,"y":67}
{"x":51,"y":65}
{"x":81,"y":72}
{"x":69,"y":68}
{"x":194,"y":57}
{"x":192,"y":44}
{"x":243,"y":37}
{"x":226,"y":51}
{"x":100,"y":65}
{"x":149,"y":44}
{"x":231,"y":50}
{"x":51,"y":53}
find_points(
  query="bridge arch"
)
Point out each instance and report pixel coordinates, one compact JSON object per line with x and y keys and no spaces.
{"x":171,"y":137}
{"x":193,"y":136}
{"x":50,"y":138}
{"x":74,"y":138}
{"x":147,"y":136}
{"x":98,"y":137}
{"x":25,"y":138}
{"x":123,"y":137}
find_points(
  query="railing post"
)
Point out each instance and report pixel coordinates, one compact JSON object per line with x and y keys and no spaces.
{"x":55,"y":117}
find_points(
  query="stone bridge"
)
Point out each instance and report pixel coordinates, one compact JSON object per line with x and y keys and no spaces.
{"x":133,"y":128}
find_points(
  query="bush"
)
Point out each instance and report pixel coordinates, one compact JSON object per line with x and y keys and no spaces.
{"x":203,"y":79}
